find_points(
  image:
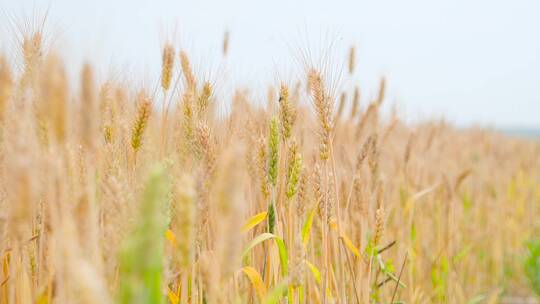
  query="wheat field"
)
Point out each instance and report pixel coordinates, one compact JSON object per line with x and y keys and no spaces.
{"x":111,"y":192}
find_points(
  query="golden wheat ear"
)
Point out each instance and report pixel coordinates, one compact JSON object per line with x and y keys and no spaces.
{"x":6,"y":85}
{"x":203,"y":100}
{"x":226,"y":43}
{"x":352,"y":59}
{"x":189,"y":77}
{"x":141,"y":121}
{"x":323,"y":108}
{"x":167,"y":66}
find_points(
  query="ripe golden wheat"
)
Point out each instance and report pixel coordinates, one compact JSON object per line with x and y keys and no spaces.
{"x":115,"y":194}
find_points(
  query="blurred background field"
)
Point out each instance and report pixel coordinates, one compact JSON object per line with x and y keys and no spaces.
{"x":203,"y":175}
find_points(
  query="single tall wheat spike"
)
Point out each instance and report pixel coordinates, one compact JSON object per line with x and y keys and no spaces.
{"x":287,"y":114}
{"x":141,"y":121}
{"x":323,"y":107}
{"x":189,"y":77}
{"x":167,"y":66}
{"x":352,"y":59}
{"x":226,"y":43}
{"x":203,"y":100}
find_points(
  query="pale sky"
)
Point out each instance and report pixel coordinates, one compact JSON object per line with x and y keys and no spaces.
{"x":471,"y":61}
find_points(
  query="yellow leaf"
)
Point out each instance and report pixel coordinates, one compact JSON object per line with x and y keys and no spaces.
{"x":254,"y":221}
{"x":172,"y":296}
{"x":347,"y":241}
{"x":256,"y":281}
{"x":315,"y":271}
{"x":290,"y":296}
{"x":350,"y":245}
{"x":43,"y":298}
{"x":333,"y":224}
{"x":306,"y":229}
{"x":169,"y":235}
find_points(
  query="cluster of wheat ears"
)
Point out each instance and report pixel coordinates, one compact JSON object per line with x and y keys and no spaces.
{"x":112,"y":193}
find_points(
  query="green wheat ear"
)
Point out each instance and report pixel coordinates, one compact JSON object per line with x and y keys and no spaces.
{"x":271,"y":218}
{"x":141,"y":253}
{"x":273,"y":152}
{"x":293,"y":170}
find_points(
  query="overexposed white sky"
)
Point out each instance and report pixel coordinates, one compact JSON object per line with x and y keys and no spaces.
{"x":472,"y":61}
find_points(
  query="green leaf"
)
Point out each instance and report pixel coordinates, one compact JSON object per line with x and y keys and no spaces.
{"x":283,"y":255}
{"x":467,"y":202}
{"x":462,"y":253}
{"x":532,"y":265}
{"x":257,"y":240}
{"x":477,"y":299}
{"x":278,"y":292}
